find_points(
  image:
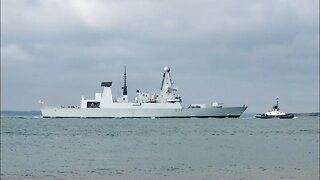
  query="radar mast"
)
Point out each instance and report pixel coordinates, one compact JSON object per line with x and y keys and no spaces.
{"x":125,"y":91}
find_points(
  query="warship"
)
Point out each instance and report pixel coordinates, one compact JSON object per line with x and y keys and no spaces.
{"x":166,"y":104}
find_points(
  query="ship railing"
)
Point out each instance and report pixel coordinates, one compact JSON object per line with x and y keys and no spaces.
{"x":72,"y":107}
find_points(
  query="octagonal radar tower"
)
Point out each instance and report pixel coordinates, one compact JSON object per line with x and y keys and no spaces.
{"x":168,"y":92}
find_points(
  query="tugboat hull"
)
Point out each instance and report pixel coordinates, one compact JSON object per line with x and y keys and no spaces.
{"x":264,"y":116}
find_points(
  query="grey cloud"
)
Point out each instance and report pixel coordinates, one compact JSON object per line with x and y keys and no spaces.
{"x":231,"y":51}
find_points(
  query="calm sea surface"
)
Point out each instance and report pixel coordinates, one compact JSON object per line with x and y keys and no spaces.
{"x":240,"y":148}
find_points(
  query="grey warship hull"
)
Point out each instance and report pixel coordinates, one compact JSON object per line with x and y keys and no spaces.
{"x":223,"y":112}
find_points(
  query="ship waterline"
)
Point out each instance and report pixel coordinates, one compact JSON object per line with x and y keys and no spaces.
{"x":141,"y":112}
{"x":165,"y":105}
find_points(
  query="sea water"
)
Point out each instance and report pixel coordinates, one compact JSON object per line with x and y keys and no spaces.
{"x":230,"y":148}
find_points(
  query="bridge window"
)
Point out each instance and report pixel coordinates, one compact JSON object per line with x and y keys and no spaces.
{"x":91,"y":104}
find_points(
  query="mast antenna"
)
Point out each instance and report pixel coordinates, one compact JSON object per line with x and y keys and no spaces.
{"x":125,"y":91}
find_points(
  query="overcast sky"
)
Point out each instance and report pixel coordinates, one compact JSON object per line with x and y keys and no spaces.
{"x":231,"y":51}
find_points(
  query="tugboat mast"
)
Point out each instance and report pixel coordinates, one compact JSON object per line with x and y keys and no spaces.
{"x":276,"y":107}
{"x":125,"y":91}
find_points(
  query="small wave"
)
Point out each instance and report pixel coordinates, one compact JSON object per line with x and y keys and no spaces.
{"x":249,"y":117}
{"x":37,"y":117}
{"x":20,"y":117}
{"x":14,"y":117}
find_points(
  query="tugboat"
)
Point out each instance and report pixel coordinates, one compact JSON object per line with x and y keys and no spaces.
{"x":275,"y":113}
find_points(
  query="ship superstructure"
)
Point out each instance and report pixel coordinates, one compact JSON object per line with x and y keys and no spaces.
{"x":165,"y":104}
